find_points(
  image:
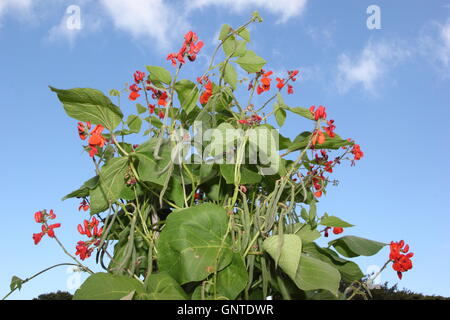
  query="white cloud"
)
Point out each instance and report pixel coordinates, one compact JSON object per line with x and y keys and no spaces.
{"x":434,"y":43}
{"x":370,"y":66}
{"x":146,"y":19}
{"x":286,"y":9}
{"x":19,"y":8}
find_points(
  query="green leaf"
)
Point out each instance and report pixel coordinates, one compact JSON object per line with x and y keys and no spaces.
{"x":161,"y":286}
{"x":90,"y":105}
{"x":300,"y":142}
{"x":332,"y":221}
{"x":106,"y":286}
{"x":230,"y":75}
{"x":306,"y":233}
{"x":111,"y":184}
{"x":248,"y":176}
{"x":351,"y":246}
{"x":224,"y":31}
{"x":188,"y":94}
{"x":250,"y":62}
{"x":245,"y":34}
{"x":280,"y":116}
{"x":140,"y":108}
{"x":134,"y":123}
{"x":16,"y":283}
{"x":286,"y":251}
{"x":150,"y":169}
{"x":304,"y":112}
{"x":83,"y":191}
{"x":349,"y":270}
{"x":313,"y":274}
{"x":194,"y":244}
{"x":159,"y":74}
{"x":233,"y":279}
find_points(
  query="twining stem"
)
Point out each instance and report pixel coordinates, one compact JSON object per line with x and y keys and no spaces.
{"x":39,"y":273}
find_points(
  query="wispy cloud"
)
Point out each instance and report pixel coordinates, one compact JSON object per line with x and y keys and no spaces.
{"x":368,"y":68}
{"x":144,"y":19}
{"x":18,"y":8}
{"x":286,"y":9}
{"x":434,"y":43}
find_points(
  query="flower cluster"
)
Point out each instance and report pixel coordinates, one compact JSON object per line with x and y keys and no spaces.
{"x":84,"y":205}
{"x":204,"y":98}
{"x":42,"y":217}
{"x":282,"y":82}
{"x":400,"y":256}
{"x":190,"y":48}
{"x":96,"y":139}
{"x":92,"y":231}
{"x":265,"y":81}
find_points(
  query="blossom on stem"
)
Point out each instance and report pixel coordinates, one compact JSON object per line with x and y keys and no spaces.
{"x":96,"y":140}
{"x":265,"y":82}
{"x":204,"y":98}
{"x":401,"y":257}
{"x":43,"y":217}
{"x":190,"y":48}
{"x":320,"y":113}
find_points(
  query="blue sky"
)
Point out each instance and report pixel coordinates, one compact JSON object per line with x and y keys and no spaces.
{"x":388,"y":89}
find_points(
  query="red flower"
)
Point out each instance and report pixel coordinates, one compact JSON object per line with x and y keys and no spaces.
{"x":90,"y":228}
{"x":42,"y":217}
{"x":38,"y":217}
{"x":265,"y":82}
{"x":318,"y":137}
{"x":329,"y":166}
{"x":151,"y":108}
{"x":139,"y":76}
{"x":37,"y":237}
{"x":204,"y":98}
{"x":134,"y":95}
{"x":190,"y":48}
{"x":96,"y":140}
{"x":280,"y":83}
{"x":82,"y":132}
{"x":161,"y":114}
{"x":319,"y":113}
{"x":83,"y":250}
{"x":400,"y":256}
{"x":83,"y":205}
{"x":338,"y":230}
{"x":290,"y":89}
{"x":162,"y":100}
{"x":357,"y":152}
{"x":292,"y":74}
{"x":330,"y":129}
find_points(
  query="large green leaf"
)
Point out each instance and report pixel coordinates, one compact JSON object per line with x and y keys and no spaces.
{"x":332,"y":221}
{"x":161,"y":286}
{"x":233,"y":279}
{"x":91,"y":105}
{"x":106,"y":286}
{"x":151,"y":169}
{"x":306,"y":233}
{"x":313,"y":274}
{"x":194,"y":243}
{"x":111,"y":184}
{"x":250,"y":62}
{"x":134,"y":123}
{"x":349,"y":270}
{"x":286,"y":250}
{"x":159,"y":74}
{"x":84,"y":190}
{"x":187,"y":94}
{"x":304,"y":112}
{"x":230,"y":75}
{"x":248,"y":176}
{"x":351,"y":246}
